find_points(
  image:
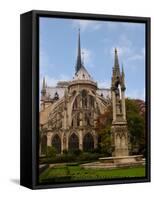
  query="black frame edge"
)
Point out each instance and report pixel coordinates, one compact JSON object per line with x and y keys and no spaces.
{"x":88,"y":16}
{"x":148,"y":95}
{"x":26,"y":99}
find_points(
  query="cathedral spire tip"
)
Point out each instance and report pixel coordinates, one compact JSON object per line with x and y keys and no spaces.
{"x":79,"y":60}
{"x":44,"y":84}
{"x":116,"y":60}
{"x":123,"y":69}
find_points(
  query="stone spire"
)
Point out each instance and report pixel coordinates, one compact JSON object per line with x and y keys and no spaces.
{"x":116,"y":63}
{"x":123,"y":74}
{"x":43,"y":85}
{"x":80,"y":71}
{"x":123,"y":78}
{"x":79,"y":60}
{"x":43,"y":91}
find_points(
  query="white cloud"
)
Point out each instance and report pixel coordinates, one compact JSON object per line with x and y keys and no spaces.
{"x":111,"y":25}
{"x":123,"y":45}
{"x":52,"y":81}
{"x":45,"y":61}
{"x":86,"y":55}
{"x":84,"y":24}
{"x":124,"y":48}
{"x":64,"y":77}
{"x":104,"y":84}
{"x":123,"y":51}
{"x":127,"y":52}
{"x":132,"y":26}
{"x":125,"y":41}
{"x":138,"y":56}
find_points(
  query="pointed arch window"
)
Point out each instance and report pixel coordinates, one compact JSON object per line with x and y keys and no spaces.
{"x":73,"y":143}
{"x":118,"y":140}
{"x":78,"y":119}
{"x":75,"y":104}
{"x":87,"y":119}
{"x":91,"y":101}
{"x":56,"y":143}
{"x":123,"y":141}
{"x":84,"y":98}
{"x":88,"y":142}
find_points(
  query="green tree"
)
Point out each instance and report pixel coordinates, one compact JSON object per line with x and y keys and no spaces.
{"x":136,"y":127}
{"x":103,"y":129}
{"x":51,"y":151}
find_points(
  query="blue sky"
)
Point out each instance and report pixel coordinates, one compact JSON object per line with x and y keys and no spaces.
{"x":58,"y":51}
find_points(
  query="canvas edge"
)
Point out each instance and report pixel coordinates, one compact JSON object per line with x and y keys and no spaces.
{"x":37,"y":13}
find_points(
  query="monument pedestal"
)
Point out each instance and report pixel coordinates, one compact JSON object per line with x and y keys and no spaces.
{"x":120,"y":160}
{"x":116,"y":162}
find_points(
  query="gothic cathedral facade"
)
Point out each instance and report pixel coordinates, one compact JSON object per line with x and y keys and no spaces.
{"x":69,"y":111}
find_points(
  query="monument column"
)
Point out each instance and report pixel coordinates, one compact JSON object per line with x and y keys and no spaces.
{"x":49,"y":139}
{"x":119,"y":123}
{"x":80,"y":140}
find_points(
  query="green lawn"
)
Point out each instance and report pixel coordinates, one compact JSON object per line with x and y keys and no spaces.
{"x":72,"y":173}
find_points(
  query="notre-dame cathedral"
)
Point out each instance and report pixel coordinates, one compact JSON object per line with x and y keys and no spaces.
{"x":69,"y":111}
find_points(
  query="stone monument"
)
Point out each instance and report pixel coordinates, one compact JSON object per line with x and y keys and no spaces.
{"x":119,"y":124}
{"x":119,"y":131}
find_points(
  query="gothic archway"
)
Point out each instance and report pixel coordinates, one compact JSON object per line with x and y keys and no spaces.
{"x":123,"y":142}
{"x":73,"y":143}
{"x":44,"y":145}
{"x":118,"y":140}
{"x":75,"y":104}
{"x":91,"y":101}
{"x":88,"y":142}
{"x":84,"y":98}
{"x":56,"y":143}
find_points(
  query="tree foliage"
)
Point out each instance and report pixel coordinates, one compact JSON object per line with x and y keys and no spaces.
{"x":103,"y":129}
{"x":51,"y":151}
{"x":136,"y":128}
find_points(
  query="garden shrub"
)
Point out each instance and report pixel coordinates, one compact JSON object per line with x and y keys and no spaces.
{"x":78,"y":157}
